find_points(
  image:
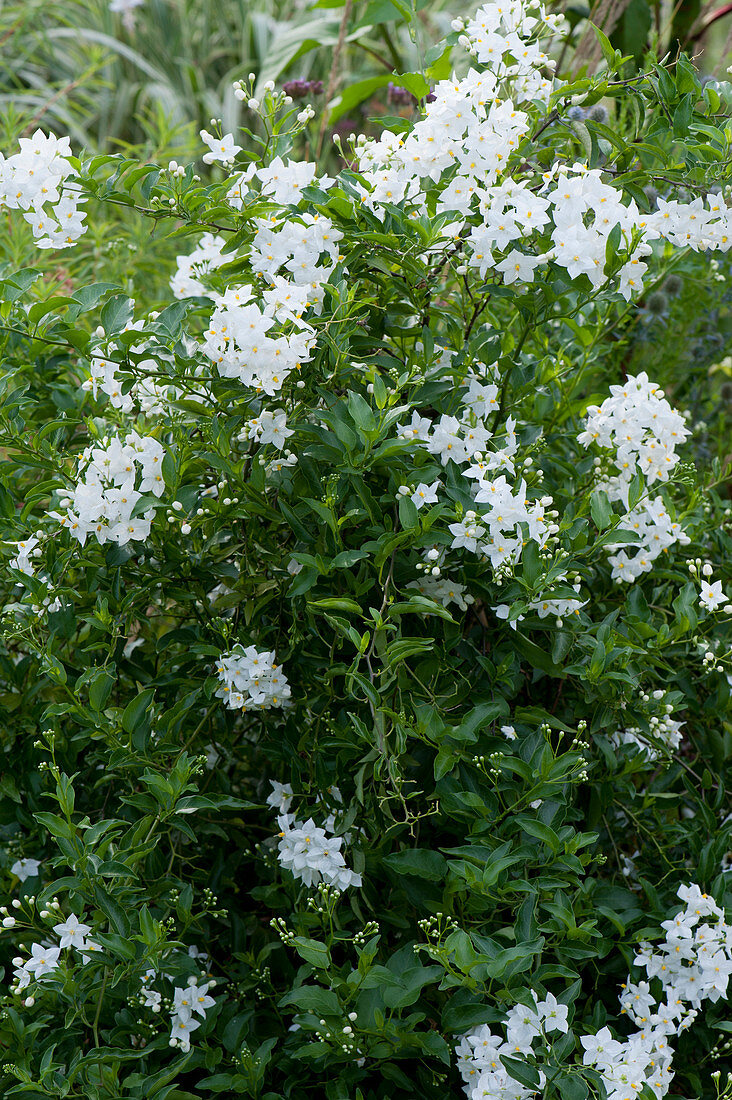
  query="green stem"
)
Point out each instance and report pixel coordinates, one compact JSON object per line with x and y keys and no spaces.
{"x":95,"y":1025}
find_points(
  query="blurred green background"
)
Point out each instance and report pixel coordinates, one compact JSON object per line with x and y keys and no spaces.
{"x":154,"y":72}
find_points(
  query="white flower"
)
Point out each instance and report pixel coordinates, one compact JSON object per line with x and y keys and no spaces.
{"x":72,"y":932}
{"x":311,"y":854}
{"x":221,"y":150}
{"x":711,"y":595}
{"x":190,"y":999}
{"x":180,"y":1032}
{"x":250,"y":678}
{"x":518,"y":267}
{"x":151,"y":998}
{"x":280,"y":797}
{"x":43,"y":960}
{"x":25,"y":868}
{"x":425,"y":494}
{"x":553,"y":1014}
{"x":88,"y":949}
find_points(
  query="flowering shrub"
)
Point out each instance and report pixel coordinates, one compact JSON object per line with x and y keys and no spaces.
{"x":366,"y":631}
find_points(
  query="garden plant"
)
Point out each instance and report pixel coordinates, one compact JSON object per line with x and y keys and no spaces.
{"x":367,"y":602}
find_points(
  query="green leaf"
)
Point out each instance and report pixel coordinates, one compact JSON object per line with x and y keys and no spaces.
{"x":100,"y":688}
{"x":423,"y":862}
{"x":134,"y":712}
{"x":312,"y":998}
{"x":521,"y":1072}
{"x":408,"y":514}
{"x":434,"y":1044}
{"x":312,"y":951}
{"x":608,"y":50}
{"x":116,"y":312}
{"x":336,"y":603}
{"x":112,"y":909}
{"x":361,"y":412}
{"x":356,"y":93}
{"x":683,"y":115}
{"x":570,"y":1086}
{"x":601,"y":509}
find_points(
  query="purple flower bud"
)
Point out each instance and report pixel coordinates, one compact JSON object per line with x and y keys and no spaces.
{"x":301,"y":89}
{"x":400,"y":97}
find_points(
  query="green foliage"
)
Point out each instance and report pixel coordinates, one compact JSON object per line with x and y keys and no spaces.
{"x":492,"y":866}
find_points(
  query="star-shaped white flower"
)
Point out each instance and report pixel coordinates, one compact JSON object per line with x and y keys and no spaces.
{"x":72,"y":932}
{"x":711,"y":595}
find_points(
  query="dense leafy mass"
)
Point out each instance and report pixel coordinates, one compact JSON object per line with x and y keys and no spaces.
{"x":367,"y":599}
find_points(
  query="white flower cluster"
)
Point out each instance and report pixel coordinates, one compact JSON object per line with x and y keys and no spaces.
{"x":479,"y":1052}
{"x":189,"y":1001}
{"x":280,"y":183}
{"x":116,"y":476}
{"x":34,"y":180}
{"x":472,"y":135}
{"x":506,"y":37}
{"x":307,"y":248}
{"x":692,"y":965}
{"x":151,"y":397}
{"x":269,"y":427}
{"x":250,"y":679}
{"x":261,"y":339}
{"x":470,"y":128}
{"x":663,"y":729}
{"x":239,"y":343}
{"x":443,"y":590}
{"x":558,"y":608}
{"x":311,"y":853}
{"x":25,"y":550}
{"x":656,"y":530}
{"x":45,"y":957}
{"x":497,"y":529}
{"x":206,"y":256}
{"x":642,"y":430}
